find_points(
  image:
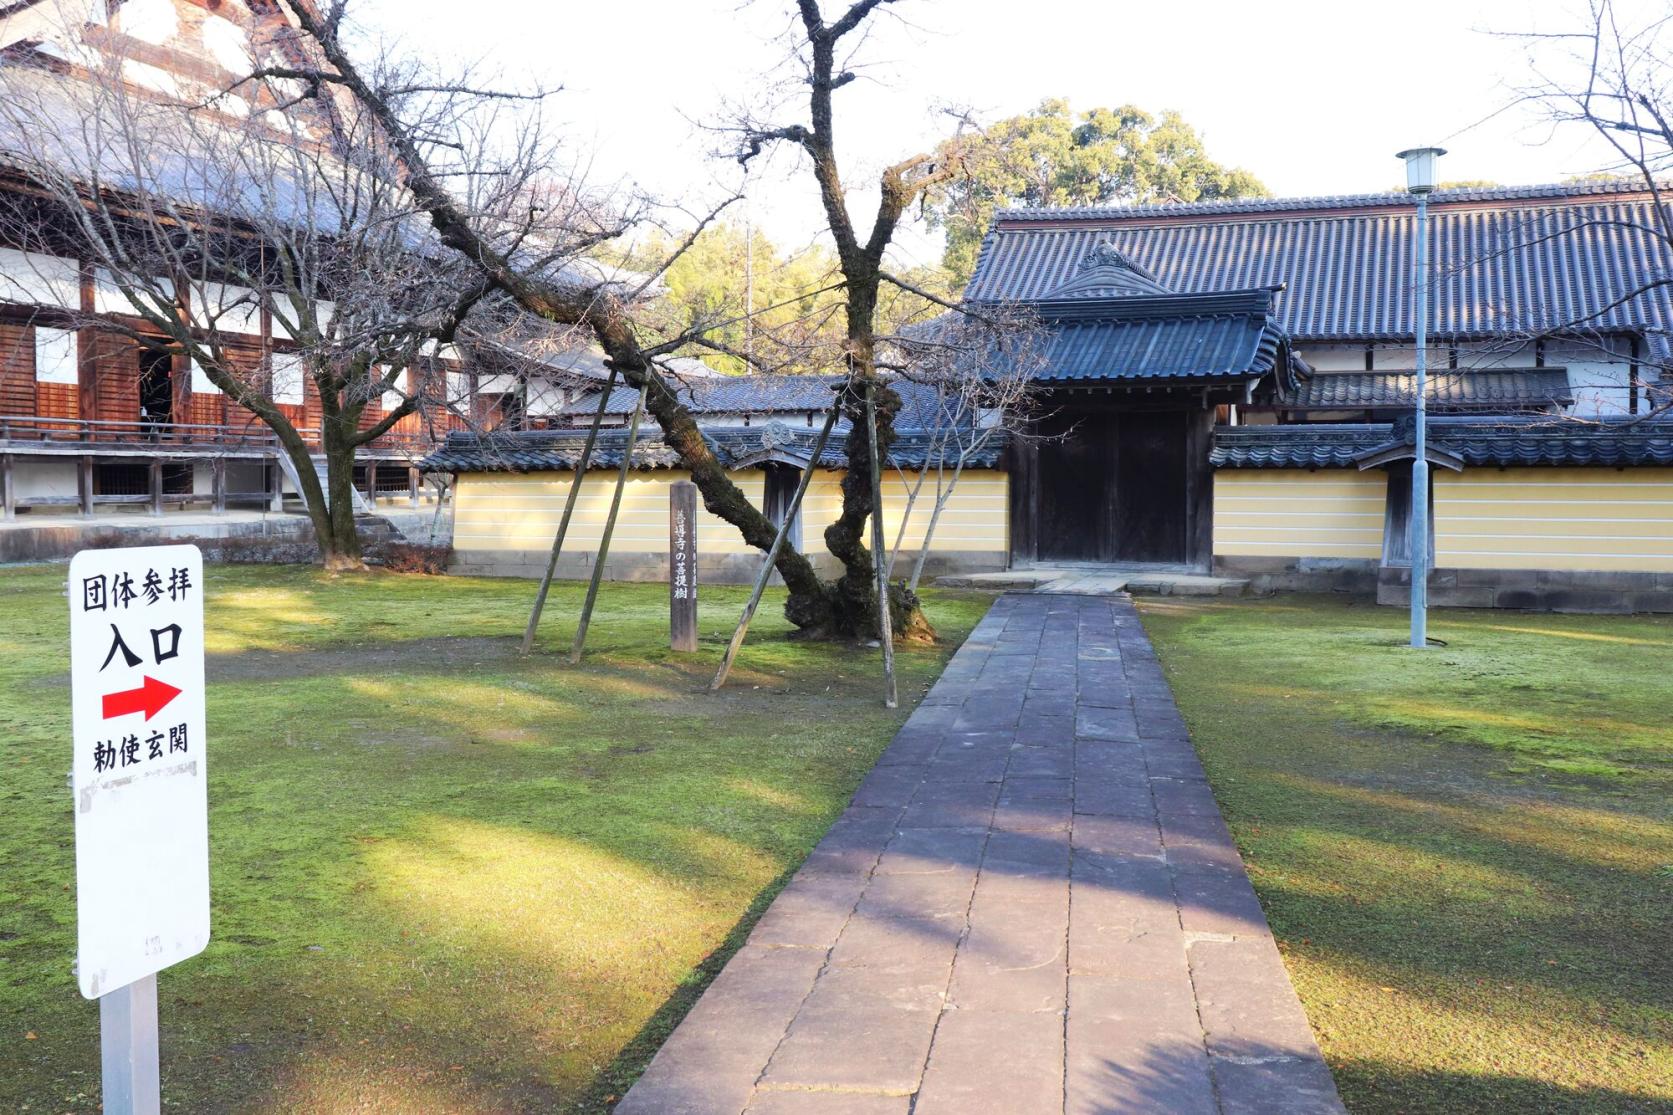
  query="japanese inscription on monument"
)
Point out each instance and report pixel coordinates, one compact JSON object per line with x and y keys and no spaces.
{"x":682,"y":566}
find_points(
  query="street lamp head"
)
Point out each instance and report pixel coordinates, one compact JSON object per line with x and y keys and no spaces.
{"x":1420,"y":168}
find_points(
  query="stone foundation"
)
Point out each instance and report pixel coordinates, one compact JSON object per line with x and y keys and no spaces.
{"x":235,"y":537}
{"x":1300,"y":574}
{"x":1536,"y":590}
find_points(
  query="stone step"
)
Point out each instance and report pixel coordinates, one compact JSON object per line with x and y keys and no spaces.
{"x":1095,"y":581}
{"x":377,"y":534}
{"x":1176,"y":584}
{"x":1010,"y":580}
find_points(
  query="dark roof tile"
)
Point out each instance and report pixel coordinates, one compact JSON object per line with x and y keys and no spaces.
{"x":734,"y":446}
{"x":1157,"y":337}
{"x":1506,"y":261}
{"x":1474,"y":389}
{"x":764,"y":395}
{"x":1501,"y":441}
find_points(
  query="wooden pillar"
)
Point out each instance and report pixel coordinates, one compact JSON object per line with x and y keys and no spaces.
{"x":412,"y":484}
{"x":275,"y":486}
{"x":8,"y":492}
{"x":682,"y":566}
{"x":87,"y":350}
{"x":84,"y":485}
{"x":1023,"y":496}
{"x":218,"y":484}
{"x":156,"y":479}
{"x":180,"y":375}
{"x":1199,"y":490}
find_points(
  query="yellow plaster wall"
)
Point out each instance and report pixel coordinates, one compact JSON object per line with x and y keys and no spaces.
{"x":520,"y":512}
{"x":975,"y":519}
{"x":1555,"y":518}
{"x":1331,"y":513}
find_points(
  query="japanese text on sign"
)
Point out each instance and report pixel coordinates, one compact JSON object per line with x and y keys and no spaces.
{"x":141,"y":805}
{"x":682,"y":566}
{"x":681,"y":574}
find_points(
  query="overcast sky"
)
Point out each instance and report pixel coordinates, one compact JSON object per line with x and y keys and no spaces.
{"x":1313,"y":96}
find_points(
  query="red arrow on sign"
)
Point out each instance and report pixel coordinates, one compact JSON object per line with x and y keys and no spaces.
{"x":148,"y":698}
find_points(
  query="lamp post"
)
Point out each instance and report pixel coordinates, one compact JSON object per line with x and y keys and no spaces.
{"x":1420,"y":180}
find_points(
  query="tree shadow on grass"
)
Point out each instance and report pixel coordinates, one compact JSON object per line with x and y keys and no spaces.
{"x":1417,"y":886}
{"x":1442,"y":901}
{"x":1163,"y":1080}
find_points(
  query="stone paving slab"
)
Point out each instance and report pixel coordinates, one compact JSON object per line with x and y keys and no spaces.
{"x":1032,"y":905}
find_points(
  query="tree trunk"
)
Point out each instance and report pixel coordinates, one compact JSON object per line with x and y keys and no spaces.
{"x":339,"y":545}
{"x":852,"y":598}
{"x":314,"y":500}
{"x":809,"y":604}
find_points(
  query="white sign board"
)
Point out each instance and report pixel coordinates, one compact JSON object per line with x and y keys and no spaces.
{"x":141,"y":798}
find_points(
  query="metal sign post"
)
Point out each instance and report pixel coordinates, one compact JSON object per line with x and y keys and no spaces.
{"x":140,"y":795}
{"x":128,"y":1049}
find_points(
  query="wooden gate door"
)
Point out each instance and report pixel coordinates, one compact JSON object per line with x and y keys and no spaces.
{"x":1076,"y":487}
{"x":1151,"y":491}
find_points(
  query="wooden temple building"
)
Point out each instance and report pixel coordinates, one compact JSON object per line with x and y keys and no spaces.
{"x":1228,"y":389}
{"x":97,"y":415}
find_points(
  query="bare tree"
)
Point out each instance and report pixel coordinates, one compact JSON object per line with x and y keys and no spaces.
{"x":977,"y":365}
{"x":1614,"y":77}
{"x":821,"y":48}
{"x":493,"y":244}
{"x":203,"y":211}
{"x":613,"y":317}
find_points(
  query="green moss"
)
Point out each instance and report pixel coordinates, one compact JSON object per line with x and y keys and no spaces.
{"x":445,"y":877}
{"x":1460,"y":849}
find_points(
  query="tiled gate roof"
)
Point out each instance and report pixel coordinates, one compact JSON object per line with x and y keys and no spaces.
{"x":1158,"y":337}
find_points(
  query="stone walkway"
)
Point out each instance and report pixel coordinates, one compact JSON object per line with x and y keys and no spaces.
{"x":1032,"y":905}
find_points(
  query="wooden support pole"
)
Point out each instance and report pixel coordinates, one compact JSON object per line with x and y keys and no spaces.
{"x":155,"y":478}
{"x":8,"y":489}
{"x":568,"y":510}
{"x":372,"y":484}
{"x":609,"y":526}
{"x":218,"y":484}
{"x":84,"y":485}
{"x":767,"y":566}
{"x":885,"y":627}
{"x":412,"y":484}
